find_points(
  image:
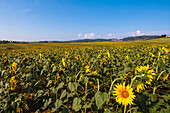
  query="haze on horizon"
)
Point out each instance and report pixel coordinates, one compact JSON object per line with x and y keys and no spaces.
{"x":62,"y":20}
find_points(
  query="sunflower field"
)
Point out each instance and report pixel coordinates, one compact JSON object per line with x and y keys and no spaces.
{"x":100,"y":77}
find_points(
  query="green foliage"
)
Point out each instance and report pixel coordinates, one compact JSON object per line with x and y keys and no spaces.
{"x":75,"y":77}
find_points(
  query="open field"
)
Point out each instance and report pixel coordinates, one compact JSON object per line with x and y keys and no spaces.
{"x":160,"y":39}
{"x":85,"y":77}
{"x":56,"y":45}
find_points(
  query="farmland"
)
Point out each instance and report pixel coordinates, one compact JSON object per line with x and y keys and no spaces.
{"x":85,"y":77}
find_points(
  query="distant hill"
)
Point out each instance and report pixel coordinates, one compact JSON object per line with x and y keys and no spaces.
{"x":134,"y":38}
{"x":144,"y":37}
{"x":90,"y":40}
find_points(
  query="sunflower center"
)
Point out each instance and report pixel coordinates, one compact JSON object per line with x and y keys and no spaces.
{"x":125,"y":94}
{"x":148,"y":79}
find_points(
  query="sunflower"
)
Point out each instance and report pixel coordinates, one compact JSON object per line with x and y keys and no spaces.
{"x":95,"y":73}
{"x":78,"y":57}
{"x":19,"y":110}
{"x":92,"y":84}
{"x":124,"y":94}
{"x":14,"y":67}
{"x":12,"y":78}
{"x":108,"y":54}
{"x":63,"y":61}
{"x":150,"y":78}
{"x":14,"y":83}
{"x":151,"y":72}
{"x":87,"y":69}
{"x":166,"y":77}
{"x":60,"y":74}
{"x":140,"y":87}
{"x":40,"y":57}
{"x":5,"y":59}
{"x":166,"y":50}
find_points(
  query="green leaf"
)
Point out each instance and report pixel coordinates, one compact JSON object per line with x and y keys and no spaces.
{"x":45,"y":67}
{"x":36,"y":83}
{"x":106,"y":69}
{"x":107,"y":111}
{"x":14,"y":105}
{"x":54,"y":69}
{"x":83,"y":79}
{"x":100,"y":98}
{"x":46,"y":104}
{"x":87,"y":105}
{"x":127,"y":69}
{"x":165,"y":97}
{"x":58,"y":103}
{"x":153,"y":97}
{"x":161,"y":102}
{"x":63,"y":94}
{"x":65,"y":110}
{"x":37,"y":111}
{"x":140,"y":101}
{"x":76,"y":104}
{"x":49,"y":82}
{"x":26,"y":106}
{"x":39,"y":93}
{"x":60,"y":85}
{"x":1,"y":90}
{"x":72,"y":86}
{"x":3,"y":71}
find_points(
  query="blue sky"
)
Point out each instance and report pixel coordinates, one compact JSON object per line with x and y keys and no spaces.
{"x":77,"y":19}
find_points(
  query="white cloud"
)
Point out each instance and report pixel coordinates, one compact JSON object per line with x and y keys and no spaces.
{"x":122,"y":35}
{"x":138,"y":32}
{"x":90,"y":35}
{"x":79,"y":35}
{"x":110,"y":34}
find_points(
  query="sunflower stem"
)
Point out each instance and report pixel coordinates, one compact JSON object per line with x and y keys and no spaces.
{"x":158,"y":60}
{"x":160,"y":74}
{"x":85,"y":93}
{"x":111,"y":89}
{"x":134,"y":79}
{"x":125,"y":109}
{"x":98,"y":85}
{"x":129,"y":108}
{"x":154,"y":89}
{"x":77,"y":75}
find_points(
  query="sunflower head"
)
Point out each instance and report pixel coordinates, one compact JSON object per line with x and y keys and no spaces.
{"x":149,"y":80}
{"x":13,"y":83}
{"x":108,"y":54}
{"x":124,"y":94}
{"x":166,"y":77}
{"x":140,"y":87}
{"x":14,"y":66}
{"x":78,"y":57}
{"x":60,"y":74}
{"x":95,"y":73}
{"x":40,"y":57}
{"x":5,"y":59}
{"x":63,"y":61}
